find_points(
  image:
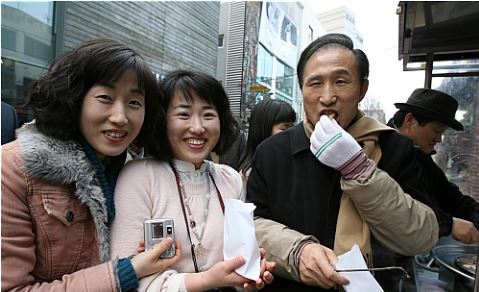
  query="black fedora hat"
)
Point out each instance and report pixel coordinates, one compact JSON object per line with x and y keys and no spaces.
{"x":433,"y":104}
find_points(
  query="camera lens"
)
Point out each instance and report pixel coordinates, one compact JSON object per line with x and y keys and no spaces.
{"x":169,"y":230}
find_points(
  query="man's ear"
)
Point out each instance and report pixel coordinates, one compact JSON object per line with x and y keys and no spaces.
{"x":409,"y":120}
{"x":409,"y":117}
{"x":363,"y":90}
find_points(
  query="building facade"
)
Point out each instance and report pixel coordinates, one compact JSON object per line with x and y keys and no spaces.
{"x":231,"y":50}
{"x":261,"y":62}
{"x":168,"y":34}
{"x":342,"y":20}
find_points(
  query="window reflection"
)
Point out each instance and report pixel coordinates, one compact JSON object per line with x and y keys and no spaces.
{"x":458,"y":154}
{"x":27,"y":48}
{"x":276,"y":75}
{"x":284,"y":78}
{"x":265,"y":66}
{"x":42,"y":11}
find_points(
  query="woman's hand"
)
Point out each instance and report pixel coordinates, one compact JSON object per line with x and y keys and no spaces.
{"x":149,"y":262}
{"x":141,"y":246}
{"x":221,"y":274}
{"x":266,"y":276}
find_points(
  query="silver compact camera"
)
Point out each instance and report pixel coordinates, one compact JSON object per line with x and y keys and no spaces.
{"x":155,"y":231}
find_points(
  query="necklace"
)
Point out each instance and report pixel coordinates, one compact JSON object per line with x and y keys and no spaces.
{"x":194,"y":249}
{"x":198,"y":229}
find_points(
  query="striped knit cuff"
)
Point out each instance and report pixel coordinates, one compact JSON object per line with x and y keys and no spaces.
{"x":356,"y":166}
{"x":299,"y":249}
{"x":126,"y":275}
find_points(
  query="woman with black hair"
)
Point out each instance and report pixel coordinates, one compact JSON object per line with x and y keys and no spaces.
{"x":179,"y":183}
{"x":268,"y":117}
{"x":59,"y":175}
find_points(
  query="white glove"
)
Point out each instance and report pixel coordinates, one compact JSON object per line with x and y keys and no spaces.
{"x":331,"y":144}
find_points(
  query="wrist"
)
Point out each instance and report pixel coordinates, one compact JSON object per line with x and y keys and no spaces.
{"x":198,"y":281}
{"x":356,"y":166}
{"x":126,"y":273}
{"x":298,"y":250}
{"x":446,"y":224}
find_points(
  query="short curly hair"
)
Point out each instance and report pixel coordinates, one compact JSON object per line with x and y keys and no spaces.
{"x":56,"y":98}
{"x":194,"y":84}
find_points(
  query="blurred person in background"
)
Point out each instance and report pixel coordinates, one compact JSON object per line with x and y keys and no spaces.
{"x":233,"y":155}
{"x":9,"y":123}
{"x":423,"y":119}
{"x":268,"y":117}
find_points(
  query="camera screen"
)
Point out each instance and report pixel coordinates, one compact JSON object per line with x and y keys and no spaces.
{"x":157,"y":230}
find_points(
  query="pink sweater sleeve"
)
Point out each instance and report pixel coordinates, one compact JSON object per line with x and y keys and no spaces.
{"x":133,"y":206}
{"x":137,"y":182}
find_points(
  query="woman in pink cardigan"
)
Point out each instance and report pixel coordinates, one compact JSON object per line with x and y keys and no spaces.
{"x":179,"y":183}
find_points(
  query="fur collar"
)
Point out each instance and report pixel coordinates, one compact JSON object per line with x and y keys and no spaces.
{"x":64,"y":162}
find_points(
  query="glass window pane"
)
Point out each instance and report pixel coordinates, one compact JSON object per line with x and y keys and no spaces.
{"x":9,"y":39}
{"x":42,"y":11}
{"x":28,"y":31}
{"x":16,"y":77}
{"x":284,"y":78}
{"x":220,"y":40}
{"x":283,"y":97}
{"x":28,"y":45}
{"x":264,"y":72}
{"x":458,"y":153}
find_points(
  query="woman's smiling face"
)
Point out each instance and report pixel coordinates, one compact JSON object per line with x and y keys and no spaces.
{"x":112,"y":115}
{"x":193,"y":128}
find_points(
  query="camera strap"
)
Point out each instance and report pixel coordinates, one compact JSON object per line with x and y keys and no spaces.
{"x":220,"y":198}
{"x":183,"y":208}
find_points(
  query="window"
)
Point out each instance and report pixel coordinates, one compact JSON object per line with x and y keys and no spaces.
{"x":284,"y":98}
{"x":265,"y":67}
{"x":457,"y":154}
{"x":40,"y":11}
{"x":220,"y":40}
{"x":28,"y":45}
{"x":284,"y":78}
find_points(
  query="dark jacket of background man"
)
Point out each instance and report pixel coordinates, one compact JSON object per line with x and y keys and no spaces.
{"x":9,"y":122}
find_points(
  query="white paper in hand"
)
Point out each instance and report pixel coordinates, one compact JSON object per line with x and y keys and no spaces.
{"x":239,"y":237}
{"x":358,"y":281}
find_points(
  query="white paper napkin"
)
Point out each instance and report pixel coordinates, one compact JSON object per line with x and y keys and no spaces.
{"x":358,"y":281}
{"x":239,"y":237}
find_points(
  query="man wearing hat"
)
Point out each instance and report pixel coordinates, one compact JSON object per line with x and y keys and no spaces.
{"x":424,"y":118}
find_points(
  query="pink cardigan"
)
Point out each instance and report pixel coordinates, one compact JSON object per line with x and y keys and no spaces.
{"x":147,"y":189}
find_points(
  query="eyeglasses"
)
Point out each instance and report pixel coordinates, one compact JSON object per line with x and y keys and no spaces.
{"x":377,"y":269}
